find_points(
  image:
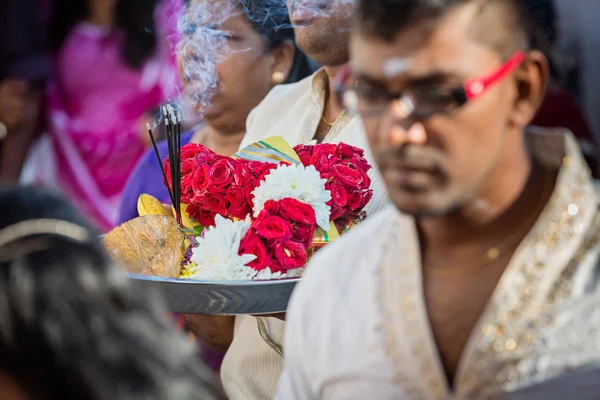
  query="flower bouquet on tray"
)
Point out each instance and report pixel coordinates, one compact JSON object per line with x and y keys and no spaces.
{"x":258,"y":215}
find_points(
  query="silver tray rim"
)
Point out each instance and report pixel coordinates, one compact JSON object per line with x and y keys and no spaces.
{"x":180,"y":281}
{"x":168,"y":287}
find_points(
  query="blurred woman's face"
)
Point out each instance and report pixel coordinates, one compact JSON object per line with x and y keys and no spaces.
{"x":245,"y":77}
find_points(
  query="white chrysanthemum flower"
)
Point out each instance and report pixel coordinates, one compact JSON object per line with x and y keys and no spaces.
{"x":216,"y":256}
{"x":298,"y":182}
{"x":267,"y":275}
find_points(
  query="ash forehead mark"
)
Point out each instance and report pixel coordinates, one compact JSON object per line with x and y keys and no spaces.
{"x":392,"y":67}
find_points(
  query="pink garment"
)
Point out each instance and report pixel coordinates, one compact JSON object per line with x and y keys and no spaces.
{"x":97,"y":111}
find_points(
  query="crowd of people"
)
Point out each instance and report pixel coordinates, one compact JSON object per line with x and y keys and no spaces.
{"x":475,"y":275}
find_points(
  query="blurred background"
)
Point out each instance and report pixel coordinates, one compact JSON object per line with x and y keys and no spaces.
{"x":80,"y":79}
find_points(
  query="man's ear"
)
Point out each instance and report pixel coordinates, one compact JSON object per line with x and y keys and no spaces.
{"x":533,"y":78}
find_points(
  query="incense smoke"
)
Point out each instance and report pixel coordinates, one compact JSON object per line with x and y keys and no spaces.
{"x":202,"y":46}
{"x":203,"y":43}
{"x":320,"y":8}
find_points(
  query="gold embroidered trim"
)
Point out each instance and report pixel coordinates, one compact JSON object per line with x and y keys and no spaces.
{"x":504,"y":336}
{"x":424,"y":381}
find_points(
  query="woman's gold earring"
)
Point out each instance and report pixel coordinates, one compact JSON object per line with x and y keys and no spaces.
{"x":278,"y":77}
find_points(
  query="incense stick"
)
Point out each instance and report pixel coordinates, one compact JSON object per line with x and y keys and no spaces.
{"x":179,"y":154}
{"x":173,"y":130}
{"x":170,"y":151}
{"x":160,"y":163}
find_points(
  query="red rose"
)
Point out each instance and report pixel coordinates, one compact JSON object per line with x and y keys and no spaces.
{"x":186,"y":189}
{"x":200,"y":182}
{"x":360,"y":162}
{"x":291,"y":255}
{"x":296,"y":211}
{"x":194,"y":150}
{"x":325,"y":148}
{"x":339,"y":195}
{"x":188,"y":167}
{"x":249,"y":195}
{"x":203,"y":217}
{"x":366,"y":183}
{"x":271,"y":207}
{"x":348,"y":176}
{"x":275,"y":266}
{"x":320,"y":161}
{"x":221,"y":172}
{"x":337,"y":212}
{"x":327,"y":175}
{"x":214,"y":203}
{"x":274,"y":228}
{"x":259,"y":170}
{"x":346,"y":151}
{"x":304,"y":233}
{"x":238,"y":206}
{"x":192,"y":211}
{"x":359,"y":199}
{"x":366,"y":198}
{"x":241,"y":174}
{"x":252,"y":244}
{"x":304,"y":153}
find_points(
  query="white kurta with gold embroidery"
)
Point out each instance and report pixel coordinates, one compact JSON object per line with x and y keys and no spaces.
{"x":358,"y":327}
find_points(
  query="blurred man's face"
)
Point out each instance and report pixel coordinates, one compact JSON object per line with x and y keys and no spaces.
{"x":433,"y":165}
{"x":322,"y":28}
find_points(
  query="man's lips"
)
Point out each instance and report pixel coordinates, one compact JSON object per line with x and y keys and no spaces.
{"x":414,"y":178}
{"x":415,"y":164}
{"x":417,"y":174}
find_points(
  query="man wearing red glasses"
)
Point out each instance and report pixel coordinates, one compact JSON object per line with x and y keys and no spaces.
{"x":483,"y":277}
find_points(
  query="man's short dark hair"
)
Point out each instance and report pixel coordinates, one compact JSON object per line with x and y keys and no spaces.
{"x":386,"y":18}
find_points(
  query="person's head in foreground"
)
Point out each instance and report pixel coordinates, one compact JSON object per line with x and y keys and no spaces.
{"x":232,"y":53}
{"x":322,"y":28}
{"x":445,"y":89}
{"x":71,"y":326}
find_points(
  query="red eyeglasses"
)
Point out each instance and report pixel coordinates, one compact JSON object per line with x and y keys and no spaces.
{"x":419,"y":102}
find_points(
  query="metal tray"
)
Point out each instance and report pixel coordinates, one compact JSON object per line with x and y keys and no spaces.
{"x":221,"y":297}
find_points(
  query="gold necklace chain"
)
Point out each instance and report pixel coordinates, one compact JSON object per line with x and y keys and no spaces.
{"x":327,"y":122}
{"x":331,"y":124}
{"x":494,"y":252}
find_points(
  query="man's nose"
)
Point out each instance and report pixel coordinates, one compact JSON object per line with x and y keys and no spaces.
{"x":403,"y":129}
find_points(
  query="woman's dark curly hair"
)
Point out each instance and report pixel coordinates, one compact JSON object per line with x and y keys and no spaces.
{"x":73,"y":327}
{"x":270,"y":19}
